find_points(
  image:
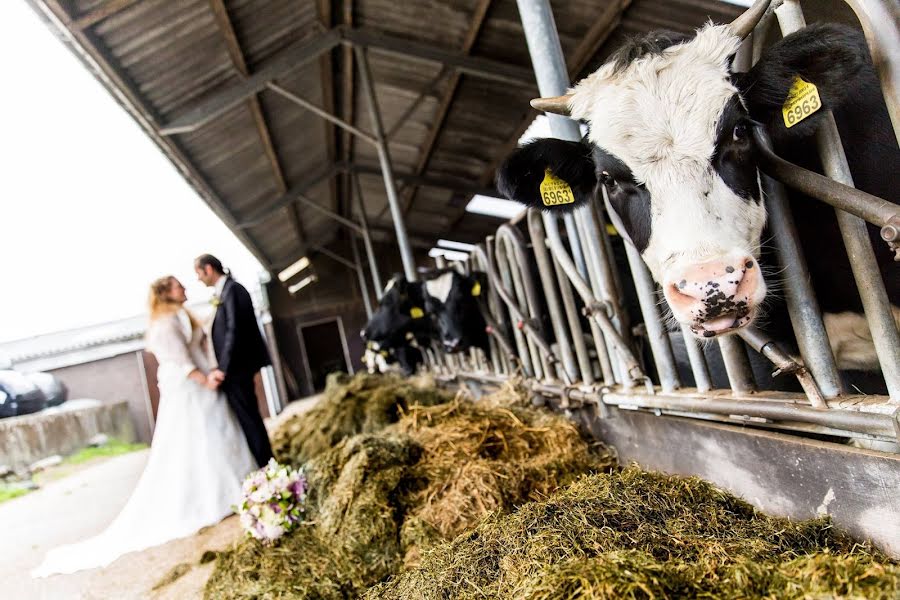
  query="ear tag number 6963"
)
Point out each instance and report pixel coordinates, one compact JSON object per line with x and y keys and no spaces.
{"x":555,"y":191}
{"x":802,"y":101}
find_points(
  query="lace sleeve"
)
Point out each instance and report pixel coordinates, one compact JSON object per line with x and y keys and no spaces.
{"x":166,"y":341}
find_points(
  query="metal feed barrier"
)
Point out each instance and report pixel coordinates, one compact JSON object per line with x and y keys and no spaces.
{"x":593,"y":359}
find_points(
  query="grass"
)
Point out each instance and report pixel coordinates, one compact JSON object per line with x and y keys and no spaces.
{"x":113,"y":447}
{"x":8,"y":492}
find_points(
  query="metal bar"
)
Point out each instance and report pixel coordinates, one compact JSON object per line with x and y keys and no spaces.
{"x":870,"y":208}
{"x":737,"y":365}
{"x":856,"y":236}
{"x":572,"y":316}
{"x":500,"y":264}
{"x":286,"y":61}
{"x":698,"y":361}
{"x":367,"y":238}
{"x":384,"y":158}
{"x":492,"y":310}
{"x":288,"y":198}
{"x":483,"y":68}
{"x":360,"y":272}
{"x":321,"y":112}
{"x":869,"y":423}
{"x":802,"y":304}
{"x":347,"y":263}
{"x":429,"y":89}
{"x":879,"y":21}
{"x":770,"y":349}
{"x":329,"y":213}
{"x":542,"y":257}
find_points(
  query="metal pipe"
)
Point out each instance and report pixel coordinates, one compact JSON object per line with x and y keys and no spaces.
{"x":574,"y":320}
{"x":512,"y":265}
{"x":542,"y":258}
{"x":573,"y":233}
{"x":329,"y":213}
{"x":802,"y":304}
{"x":698,"y":362}
{"x":384,"y":158}
{"x":870,"y":208}
{"x":784,"y":363}
{"x":322,"y":113}
{"x":596,"y":310}
{"x":856,"y":237}
{"x":360,"y":272}
{"x":737,"y":365}
{"x":492,"y":311}
{"x":367,"y":238}
{"x":499,"y":263}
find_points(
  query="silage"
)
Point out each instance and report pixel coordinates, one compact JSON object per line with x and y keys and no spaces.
{"x":377,"y":499}
{"x":633,"y":534}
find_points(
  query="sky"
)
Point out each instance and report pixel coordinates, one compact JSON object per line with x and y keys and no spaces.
{"x":90,"y":210}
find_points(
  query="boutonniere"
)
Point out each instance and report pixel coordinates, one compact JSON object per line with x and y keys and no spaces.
{"x":215,"y":301}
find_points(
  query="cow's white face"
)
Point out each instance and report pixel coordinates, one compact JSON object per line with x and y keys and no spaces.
{"x":677,"y":162}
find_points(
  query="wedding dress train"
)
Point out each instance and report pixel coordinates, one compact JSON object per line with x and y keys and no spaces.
{"x":197,"y":462}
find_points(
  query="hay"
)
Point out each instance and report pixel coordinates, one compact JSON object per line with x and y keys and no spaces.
{"x":377,"y":499}
{"x":633,"y":534}
{"x":350,"y":406}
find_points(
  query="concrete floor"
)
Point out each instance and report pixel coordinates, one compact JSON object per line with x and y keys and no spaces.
{"x":83,"y":504}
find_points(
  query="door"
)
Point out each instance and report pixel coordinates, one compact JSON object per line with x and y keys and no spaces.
{"x":324,"y":351}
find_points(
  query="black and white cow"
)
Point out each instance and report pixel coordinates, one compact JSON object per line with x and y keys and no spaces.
{"x":400,"y":327}
{"x":669,"y":140}
{"x":451,"y":299}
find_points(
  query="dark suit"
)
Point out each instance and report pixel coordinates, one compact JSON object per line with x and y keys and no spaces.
{"x":241,"y":352}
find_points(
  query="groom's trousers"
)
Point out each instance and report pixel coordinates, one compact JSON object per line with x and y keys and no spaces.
{"x":241,"y":394}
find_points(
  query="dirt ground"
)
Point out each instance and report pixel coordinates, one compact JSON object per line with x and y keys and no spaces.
{"x":81,"y":505}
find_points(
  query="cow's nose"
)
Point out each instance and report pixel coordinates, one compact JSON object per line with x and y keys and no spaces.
{"x":714,"y":296}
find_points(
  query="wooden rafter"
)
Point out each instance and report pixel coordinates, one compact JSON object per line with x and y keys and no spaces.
{"x":576,"y":62}
{"x":233,"y":47}
{"x":478,"y":18}
{"x":103,"y":11}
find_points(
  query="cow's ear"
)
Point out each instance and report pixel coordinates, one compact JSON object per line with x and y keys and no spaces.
{"x":549,"y":174}
{"x":798,"y":78}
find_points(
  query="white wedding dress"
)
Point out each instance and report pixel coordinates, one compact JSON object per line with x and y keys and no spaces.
{"x":198,"y":460}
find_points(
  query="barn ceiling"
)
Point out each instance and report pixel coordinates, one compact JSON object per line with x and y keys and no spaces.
{"x":224,"y":88}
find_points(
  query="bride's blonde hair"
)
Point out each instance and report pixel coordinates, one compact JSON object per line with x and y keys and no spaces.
{"x":161,"y":305}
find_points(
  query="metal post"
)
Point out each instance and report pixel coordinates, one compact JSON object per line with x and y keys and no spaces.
{"x":855,"y":234}
{"x":360,"y":272}
{"x":384,"y":158}
{"x":802,"y":304}
{"x":737,"y":366}
{"x":367,"y":239}
{"x":697,"y":359}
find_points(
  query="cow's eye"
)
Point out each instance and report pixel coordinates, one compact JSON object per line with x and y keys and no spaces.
{"x":608,"y":180}
{"x":740,"y":132}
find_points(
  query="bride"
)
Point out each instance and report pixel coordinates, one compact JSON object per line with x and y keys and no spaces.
{"x":199,"y":456}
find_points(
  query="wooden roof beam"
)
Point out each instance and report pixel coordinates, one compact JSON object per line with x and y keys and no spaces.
{"x":107,"y":9}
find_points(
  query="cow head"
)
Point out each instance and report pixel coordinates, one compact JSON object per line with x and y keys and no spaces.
{"x":400,"y":318}
{"x":452,"y":299}
{"x":669,"y":146}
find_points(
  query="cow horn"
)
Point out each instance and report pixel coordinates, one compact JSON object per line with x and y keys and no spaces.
{"x":557,"y":104}
{"x":744,"y":24}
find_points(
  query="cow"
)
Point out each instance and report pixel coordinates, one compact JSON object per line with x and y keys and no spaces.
{"x":452,"y":300}
{"x":669,"y":143}
{"x":400,"y":327}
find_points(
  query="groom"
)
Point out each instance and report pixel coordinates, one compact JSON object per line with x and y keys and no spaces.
{"x":240,"y":352}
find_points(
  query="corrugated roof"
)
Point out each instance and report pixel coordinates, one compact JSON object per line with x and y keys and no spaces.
{"x":449,"y":128}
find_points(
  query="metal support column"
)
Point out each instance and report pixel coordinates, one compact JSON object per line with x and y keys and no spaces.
{"x":361,"y":273}
{"x":384,"y":158}
{"x":367,"y":239}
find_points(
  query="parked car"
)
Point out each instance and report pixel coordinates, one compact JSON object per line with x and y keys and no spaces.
{"x":55,"y":391}
{"x":18,"y":395}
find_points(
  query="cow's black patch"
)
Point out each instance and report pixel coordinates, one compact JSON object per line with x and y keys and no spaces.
{"x":734,"y":157}
{"x":628,"y":198}
{"x":519,"y":177}
{"x":650,"y":44}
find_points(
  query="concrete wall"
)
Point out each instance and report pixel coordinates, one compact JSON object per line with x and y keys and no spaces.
{"x":115,"y":379}
{"x":24,"y":440}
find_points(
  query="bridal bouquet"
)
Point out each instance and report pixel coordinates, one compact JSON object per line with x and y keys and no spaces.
{"x":273,"y":499}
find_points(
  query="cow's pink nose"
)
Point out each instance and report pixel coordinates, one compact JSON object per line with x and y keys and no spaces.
{"x":714,"y":296}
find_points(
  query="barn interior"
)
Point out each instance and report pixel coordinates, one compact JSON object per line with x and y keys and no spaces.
{"x":296,"y":121}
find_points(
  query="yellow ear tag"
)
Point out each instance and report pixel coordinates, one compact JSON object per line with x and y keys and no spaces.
{"x":802,"y":101}
{"x":476,"y":289}
{"x":416,"y":313}
{"x":555,"y":191}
